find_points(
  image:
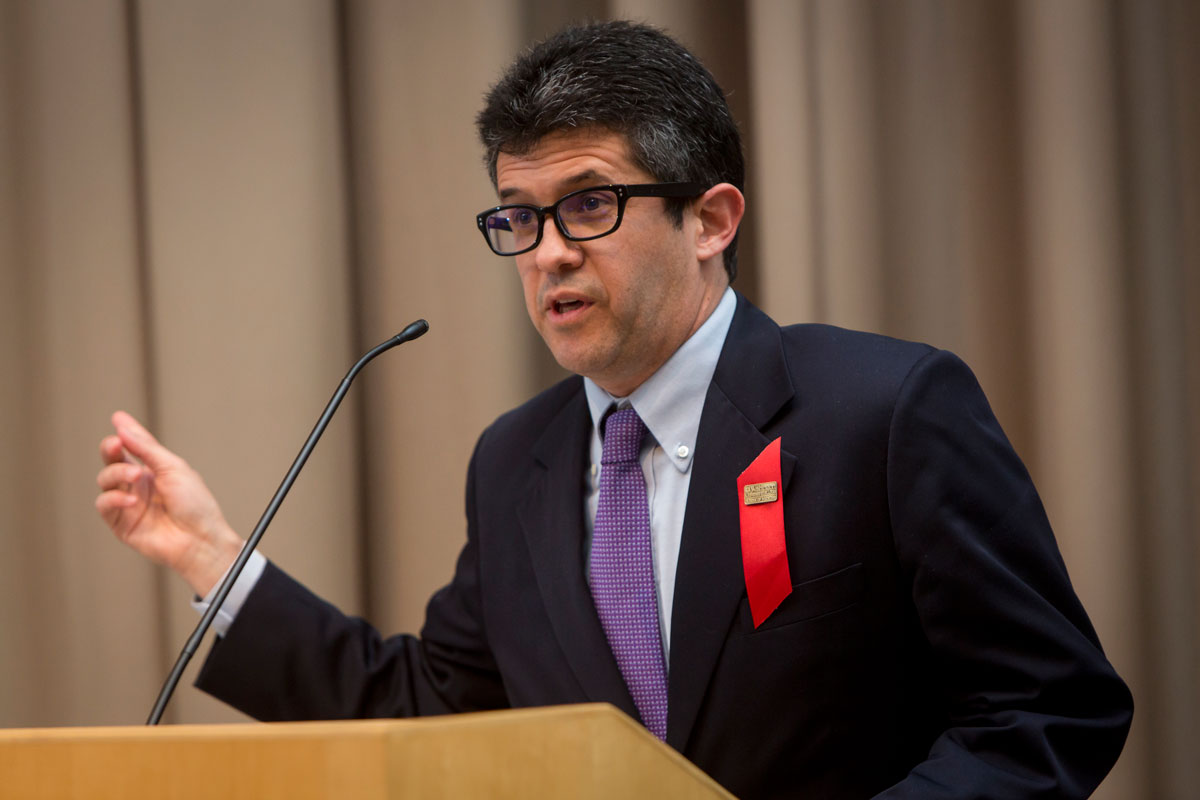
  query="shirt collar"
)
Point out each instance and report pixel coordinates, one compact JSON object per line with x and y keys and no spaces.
{"x":670,"y":401}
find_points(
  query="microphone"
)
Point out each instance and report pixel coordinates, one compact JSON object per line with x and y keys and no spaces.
{"x":413,"y":331}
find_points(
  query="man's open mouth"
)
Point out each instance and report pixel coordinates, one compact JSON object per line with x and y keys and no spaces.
{"x":563,"y":306}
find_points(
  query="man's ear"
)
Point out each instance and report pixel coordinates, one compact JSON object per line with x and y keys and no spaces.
{"x":720,"y":211}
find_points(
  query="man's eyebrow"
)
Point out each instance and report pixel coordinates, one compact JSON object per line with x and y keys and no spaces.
{"x":588,"y":177}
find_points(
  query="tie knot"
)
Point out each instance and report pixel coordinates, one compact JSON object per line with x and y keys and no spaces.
{"x":623,"y":432}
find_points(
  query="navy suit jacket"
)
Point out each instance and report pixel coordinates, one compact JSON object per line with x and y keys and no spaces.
{"x":932,"y":642}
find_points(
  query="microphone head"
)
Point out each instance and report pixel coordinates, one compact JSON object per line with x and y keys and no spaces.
{"x":413,"y":331}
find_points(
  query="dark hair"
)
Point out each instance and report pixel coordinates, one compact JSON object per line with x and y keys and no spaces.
{"x":630,"y":79}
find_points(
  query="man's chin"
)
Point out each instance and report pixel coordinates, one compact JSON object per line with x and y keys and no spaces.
{"x":580,"y":360}
{"x":574,"y":363}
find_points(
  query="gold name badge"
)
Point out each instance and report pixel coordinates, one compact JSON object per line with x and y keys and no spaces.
{"x":756,"y":493}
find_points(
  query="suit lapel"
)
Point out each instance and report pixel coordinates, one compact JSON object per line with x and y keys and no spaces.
{"x":750,"y":385}
{"x":552,"y":518}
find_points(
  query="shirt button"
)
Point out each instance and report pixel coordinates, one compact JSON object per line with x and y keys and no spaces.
{"x":682,"y":451}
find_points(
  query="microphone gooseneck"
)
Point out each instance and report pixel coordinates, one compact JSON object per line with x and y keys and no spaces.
{"x":413,"y":331}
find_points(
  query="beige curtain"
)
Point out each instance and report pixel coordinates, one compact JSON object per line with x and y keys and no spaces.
{"x":208,"y":209}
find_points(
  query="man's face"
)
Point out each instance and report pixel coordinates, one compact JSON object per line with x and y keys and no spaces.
{"x":613,"y":309}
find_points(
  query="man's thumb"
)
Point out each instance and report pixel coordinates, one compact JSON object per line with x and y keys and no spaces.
{"x":141,"y":442}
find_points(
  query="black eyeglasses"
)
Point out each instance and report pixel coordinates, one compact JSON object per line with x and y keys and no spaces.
{"x":581,"y":215}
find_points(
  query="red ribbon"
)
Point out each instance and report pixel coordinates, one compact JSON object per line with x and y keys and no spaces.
{"x":764,"y":549}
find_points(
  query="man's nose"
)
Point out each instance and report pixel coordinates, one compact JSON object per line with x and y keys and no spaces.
{"x":556,"y":252}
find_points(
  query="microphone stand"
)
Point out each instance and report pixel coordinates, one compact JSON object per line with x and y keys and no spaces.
{"x":413,"y":331}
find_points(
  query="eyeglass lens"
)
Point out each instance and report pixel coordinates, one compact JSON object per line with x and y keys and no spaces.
{"x":581,"y":215}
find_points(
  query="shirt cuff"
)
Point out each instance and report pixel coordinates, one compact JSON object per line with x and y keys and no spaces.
{"x":237,"y":595}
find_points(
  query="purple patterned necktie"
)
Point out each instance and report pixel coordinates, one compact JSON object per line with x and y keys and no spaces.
{"x":622,"y":573}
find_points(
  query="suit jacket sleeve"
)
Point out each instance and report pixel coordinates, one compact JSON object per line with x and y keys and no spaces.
{"x":290,"y":655}
{"x":1032,"y":707}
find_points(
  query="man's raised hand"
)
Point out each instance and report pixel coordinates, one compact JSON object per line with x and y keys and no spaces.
{"x":158,"y":505}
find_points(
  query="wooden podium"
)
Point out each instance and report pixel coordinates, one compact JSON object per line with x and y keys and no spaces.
{"x":584,"y":751}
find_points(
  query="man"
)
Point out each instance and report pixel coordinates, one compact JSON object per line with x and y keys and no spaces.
{"x":811,"y":561}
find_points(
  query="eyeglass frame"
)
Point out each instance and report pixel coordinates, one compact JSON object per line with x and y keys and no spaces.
{"x":623,"y":191}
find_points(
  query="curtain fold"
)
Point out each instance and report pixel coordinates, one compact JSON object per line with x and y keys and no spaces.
{"x":417,"y":76}
{"x":247,"y":257}
{"x":76,"y":613}
{"x":1081,"y":389}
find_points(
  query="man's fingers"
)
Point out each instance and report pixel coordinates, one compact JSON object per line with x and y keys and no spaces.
{"x":112,"y":503}
{"x":141,"y":442}
{"x":118,"y":476}
{"x":112,"y":451}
